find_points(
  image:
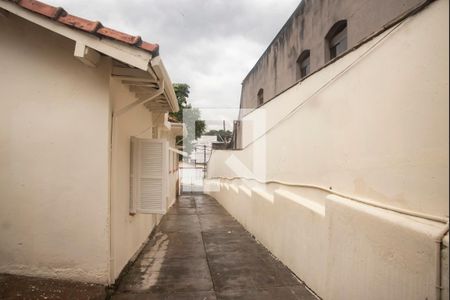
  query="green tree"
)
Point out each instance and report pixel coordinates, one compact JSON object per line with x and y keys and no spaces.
{"x":182,"y":92}
{"x":190,"y":116}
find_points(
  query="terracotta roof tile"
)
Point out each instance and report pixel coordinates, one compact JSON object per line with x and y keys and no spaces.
{"x":152,"y":48}
{"x":80,"y":23}
{"x":120,"y":36}
{"x":93,"y":27}
{"x":41,"y":8}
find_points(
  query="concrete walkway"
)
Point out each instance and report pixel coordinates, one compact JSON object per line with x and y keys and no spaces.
{"x":16,"y":287}
{"x":200,"y":252}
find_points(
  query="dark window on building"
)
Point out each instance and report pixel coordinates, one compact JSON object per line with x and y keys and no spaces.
{"x":303,"y":65}
{"x":260,"y":97}
{"x":337,"y":40}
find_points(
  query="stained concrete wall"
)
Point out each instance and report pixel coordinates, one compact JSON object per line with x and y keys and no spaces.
{"x":306,"y":29}
{"x":368,"y":134}
{"x":54,"y":145}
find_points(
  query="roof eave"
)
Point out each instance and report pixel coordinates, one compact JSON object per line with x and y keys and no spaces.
{"x":122,"y":52}
{"x":138,"y":58}
{"x":158,"y":67}
{"x":178,"y":129}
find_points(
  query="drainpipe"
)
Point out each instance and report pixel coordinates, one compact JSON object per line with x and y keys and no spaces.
{"x":439,"y":241}
{"x":115,"y":116}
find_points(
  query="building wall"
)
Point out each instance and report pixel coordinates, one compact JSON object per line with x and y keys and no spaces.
{"x":445,"y":269}
{"x":174,"y":171}
{"x":129,"y":232}
{"x":377,"y":132}
{"x":276,"y":70}
{"x":53,"y":157}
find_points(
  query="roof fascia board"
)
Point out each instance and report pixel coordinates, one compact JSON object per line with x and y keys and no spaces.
{"x":178,"y":128}
{"x":174,"y":128}
{"x":134,"y":57}
{"x":137,"y":58}
{"x":161,"y":72}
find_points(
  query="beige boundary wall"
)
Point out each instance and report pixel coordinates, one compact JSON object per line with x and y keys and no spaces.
{"x":64,"y":176}
{"x":371,"y":126}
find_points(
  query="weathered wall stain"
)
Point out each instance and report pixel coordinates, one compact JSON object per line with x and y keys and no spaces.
{"x":306,"y":29}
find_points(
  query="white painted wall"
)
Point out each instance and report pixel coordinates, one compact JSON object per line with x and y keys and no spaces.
{"x":53,"y":157}
{"x":64,"y":199}
{"x":445,"y":269}
{"x":129,"y":232}
{"x":174,"y":171}
{"x":378,"y":132}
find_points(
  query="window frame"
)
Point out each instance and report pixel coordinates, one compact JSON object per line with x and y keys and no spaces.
{"x":137,"y":156}
{"x":260,"y":97}
{"x":305,"y":56}
{"x":336,"y":38}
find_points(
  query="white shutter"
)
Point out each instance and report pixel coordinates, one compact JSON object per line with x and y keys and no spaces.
{"x":149,"y":176}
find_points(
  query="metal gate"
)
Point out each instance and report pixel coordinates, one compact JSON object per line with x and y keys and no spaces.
{"x":192,"y":172}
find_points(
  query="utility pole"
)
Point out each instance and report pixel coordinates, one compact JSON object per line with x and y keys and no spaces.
{"x":224,"y":127}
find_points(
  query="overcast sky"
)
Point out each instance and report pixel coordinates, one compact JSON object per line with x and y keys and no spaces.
{"x":209,"y":44}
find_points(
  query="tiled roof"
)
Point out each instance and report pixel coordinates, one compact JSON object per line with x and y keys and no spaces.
{"x":93,"y":27}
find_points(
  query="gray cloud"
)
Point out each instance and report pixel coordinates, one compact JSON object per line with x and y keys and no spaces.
{"x":209,"y":44}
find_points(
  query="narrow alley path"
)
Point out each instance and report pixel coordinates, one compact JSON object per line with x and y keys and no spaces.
{"x":200,"y":252}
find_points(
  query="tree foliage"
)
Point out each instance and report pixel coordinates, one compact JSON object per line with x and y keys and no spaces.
{"x":182,"y":92}
{"x":188,"y":115}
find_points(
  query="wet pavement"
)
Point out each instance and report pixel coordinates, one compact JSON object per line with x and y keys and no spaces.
{"x":30,"y":288}
{"x":200,"y":252}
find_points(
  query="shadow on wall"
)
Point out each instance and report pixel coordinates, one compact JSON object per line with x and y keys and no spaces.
{"x":345,"y":125}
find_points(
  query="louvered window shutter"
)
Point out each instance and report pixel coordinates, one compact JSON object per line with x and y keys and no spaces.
{"x":149,"y":168}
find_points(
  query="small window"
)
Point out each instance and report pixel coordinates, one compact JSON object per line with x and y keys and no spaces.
{"x":148,"y":176}
{"x":260,"y":97}
{"x":303,"y":65}
{"x":337,"y":39}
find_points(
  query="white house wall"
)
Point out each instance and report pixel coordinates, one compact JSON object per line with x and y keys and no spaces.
{"x":174,"y":173}
{"x":53,"y":157}
{"x":377,"y":132}
{"x":129,"y":232}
